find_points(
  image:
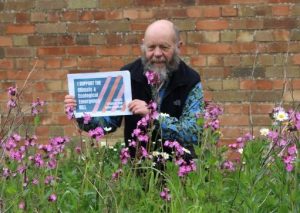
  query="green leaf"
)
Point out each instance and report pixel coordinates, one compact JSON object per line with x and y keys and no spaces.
{"x":37,"y":120}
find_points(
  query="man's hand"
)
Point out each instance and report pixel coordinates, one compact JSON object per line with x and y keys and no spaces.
{"x":70,"y":102}
{"x":138,"y":107}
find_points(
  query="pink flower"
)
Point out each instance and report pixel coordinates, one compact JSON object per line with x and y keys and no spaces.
{"x":22,"y":205}
{"x":289,"y":167}
{"x":144,"y":152}
{"x":86,"y":118}
{"x":49,"y":180}
{"x":165,"y":194}
{"x":117,"y":174}
{"x":97,"y":133}
{"x":70,"y":113}
{"x":35,"y":181}
{"x":52,"y":198}
{"x":228,"y":165}
{"x":124,"y":155}
{"x":78,"y":149}
{"x":292,"y":150}
{"x":12,"y":91}
{"x":152,"y":77}
{"x":11,"y":103}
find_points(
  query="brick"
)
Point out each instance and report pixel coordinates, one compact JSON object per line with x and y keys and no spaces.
{"x":265,"y":60}
{"x":99,"y":15}
{"x":296,"y":59}
{"x":247,"y":24}
{"x":283,"y":23}
{"x":53,"y":17}
{"x":7,"y":18}
{"x":51,"y":4}
{"x":38,"y":17}
{"x":69,"y":63}
{"x":51,"y":28}
{"x":228,"y":36}
{"x":19,"y":52}
{"x":295,"y":35}
{"x":5,"y":41}
{"x":247,"y":1}
{"x":198,"y":61}
{"x":94,"y":63}
{"x":259,"y":120}
{"x":117,"y":26}
{"x":97,"y":39}
{"x":213,"y":2}
{"x":6,"y":63}
{"x":213,"y":72}
{"x":244,"y":36}
{"x":19,"y":5}
{"x":296,"y":84}
{"x":184,"y":25}
{"x":293,"y":48}
{"x":211,"y":36}
{"x":53,"y":85}
{"x":194,"y":12}
{"x":229,"y":11}
{"x":212,"y":12}
{"x":263,"y":11}
{"x":256,"y":72}
{"x":114,"y":39}
{"x":265,"y":96}
{"x":212,"y":85}
{"x":114,"y":14}
{"x":261,"y":108}
{"x":53,"y":63}
{"x":280,"y":10}
{"x":296,"y":10}
{"x":51,"y":51}
{"x":20,"y":41}
{"x":1,"y":6}
{"x":232,"y":60}
{"x":82,"y":40}
{"x":35,"y":40}
{"x":233,"y":108}
{"x":108,"y":4}
{"x":83,"y":50}
{"x":246,"y":11}
{"x":138,"y":14}
{"x":114,"y":50}
{"x":279,"y":72}
{"x":231,"y":120}
{"x":179,"y":2}
{"x":244,"y":48}
{"x":211,"y":25}
{"x":78,"y":4}
{"x":273,"y":48}
{"x":256,"y":84}
{"x":146,"y":3}
{"x":65,"y":40}
{"x":231,"y":84}
{"x":248,"y":60}
{"x":279,"y":84}
{"x":82,"y":27}
{"x":214,"y":48}
{"x":264,"y":35}
{"x":215,"y":61}
{"x":291,"y":97}
{"x":22,"y":18}
{"x":281,"y":35}
{"x":20,"y":29}
{"x":188,"y":50}
{"x":86,"y":16}
{"x":70,"y":16}
{"x":194,"y":37}
{"x":230,"y":96}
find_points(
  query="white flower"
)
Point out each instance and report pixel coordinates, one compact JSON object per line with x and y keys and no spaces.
{"x":107,"y":129}
{"x":102,"y":143}
{"x":264,"y":131}
{"x":162,"y":116}
{"x":155,"y":153}
{"x":186,"y":150}
{"x":165,"y":155}
{"x":281,"y":116}
{"x":240,"y":150}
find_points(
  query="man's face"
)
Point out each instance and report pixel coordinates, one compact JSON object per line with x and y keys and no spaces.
{"x":160,"y":54}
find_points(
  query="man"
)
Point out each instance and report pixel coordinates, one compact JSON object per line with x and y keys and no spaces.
{"x":180,"y":93}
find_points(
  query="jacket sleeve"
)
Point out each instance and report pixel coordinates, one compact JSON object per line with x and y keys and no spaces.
{"x":185,"y":129}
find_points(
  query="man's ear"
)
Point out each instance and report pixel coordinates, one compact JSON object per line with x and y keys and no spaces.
{"x":179,"y":44}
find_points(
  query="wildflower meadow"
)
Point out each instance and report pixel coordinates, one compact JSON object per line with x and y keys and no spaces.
{"x":89,"y":176}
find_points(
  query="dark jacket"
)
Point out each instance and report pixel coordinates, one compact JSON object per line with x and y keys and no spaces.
{"x":181,"y":83}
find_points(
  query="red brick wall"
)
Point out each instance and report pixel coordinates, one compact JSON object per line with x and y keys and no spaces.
{"x":247,"y":51}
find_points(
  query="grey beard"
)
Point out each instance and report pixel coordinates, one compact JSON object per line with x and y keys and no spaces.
{"x":164,"y":72}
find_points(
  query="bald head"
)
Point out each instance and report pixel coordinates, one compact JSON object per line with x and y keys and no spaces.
{"x":162,"y":29}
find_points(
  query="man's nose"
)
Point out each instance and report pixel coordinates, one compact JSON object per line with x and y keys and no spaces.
{"x":157,"y":52}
